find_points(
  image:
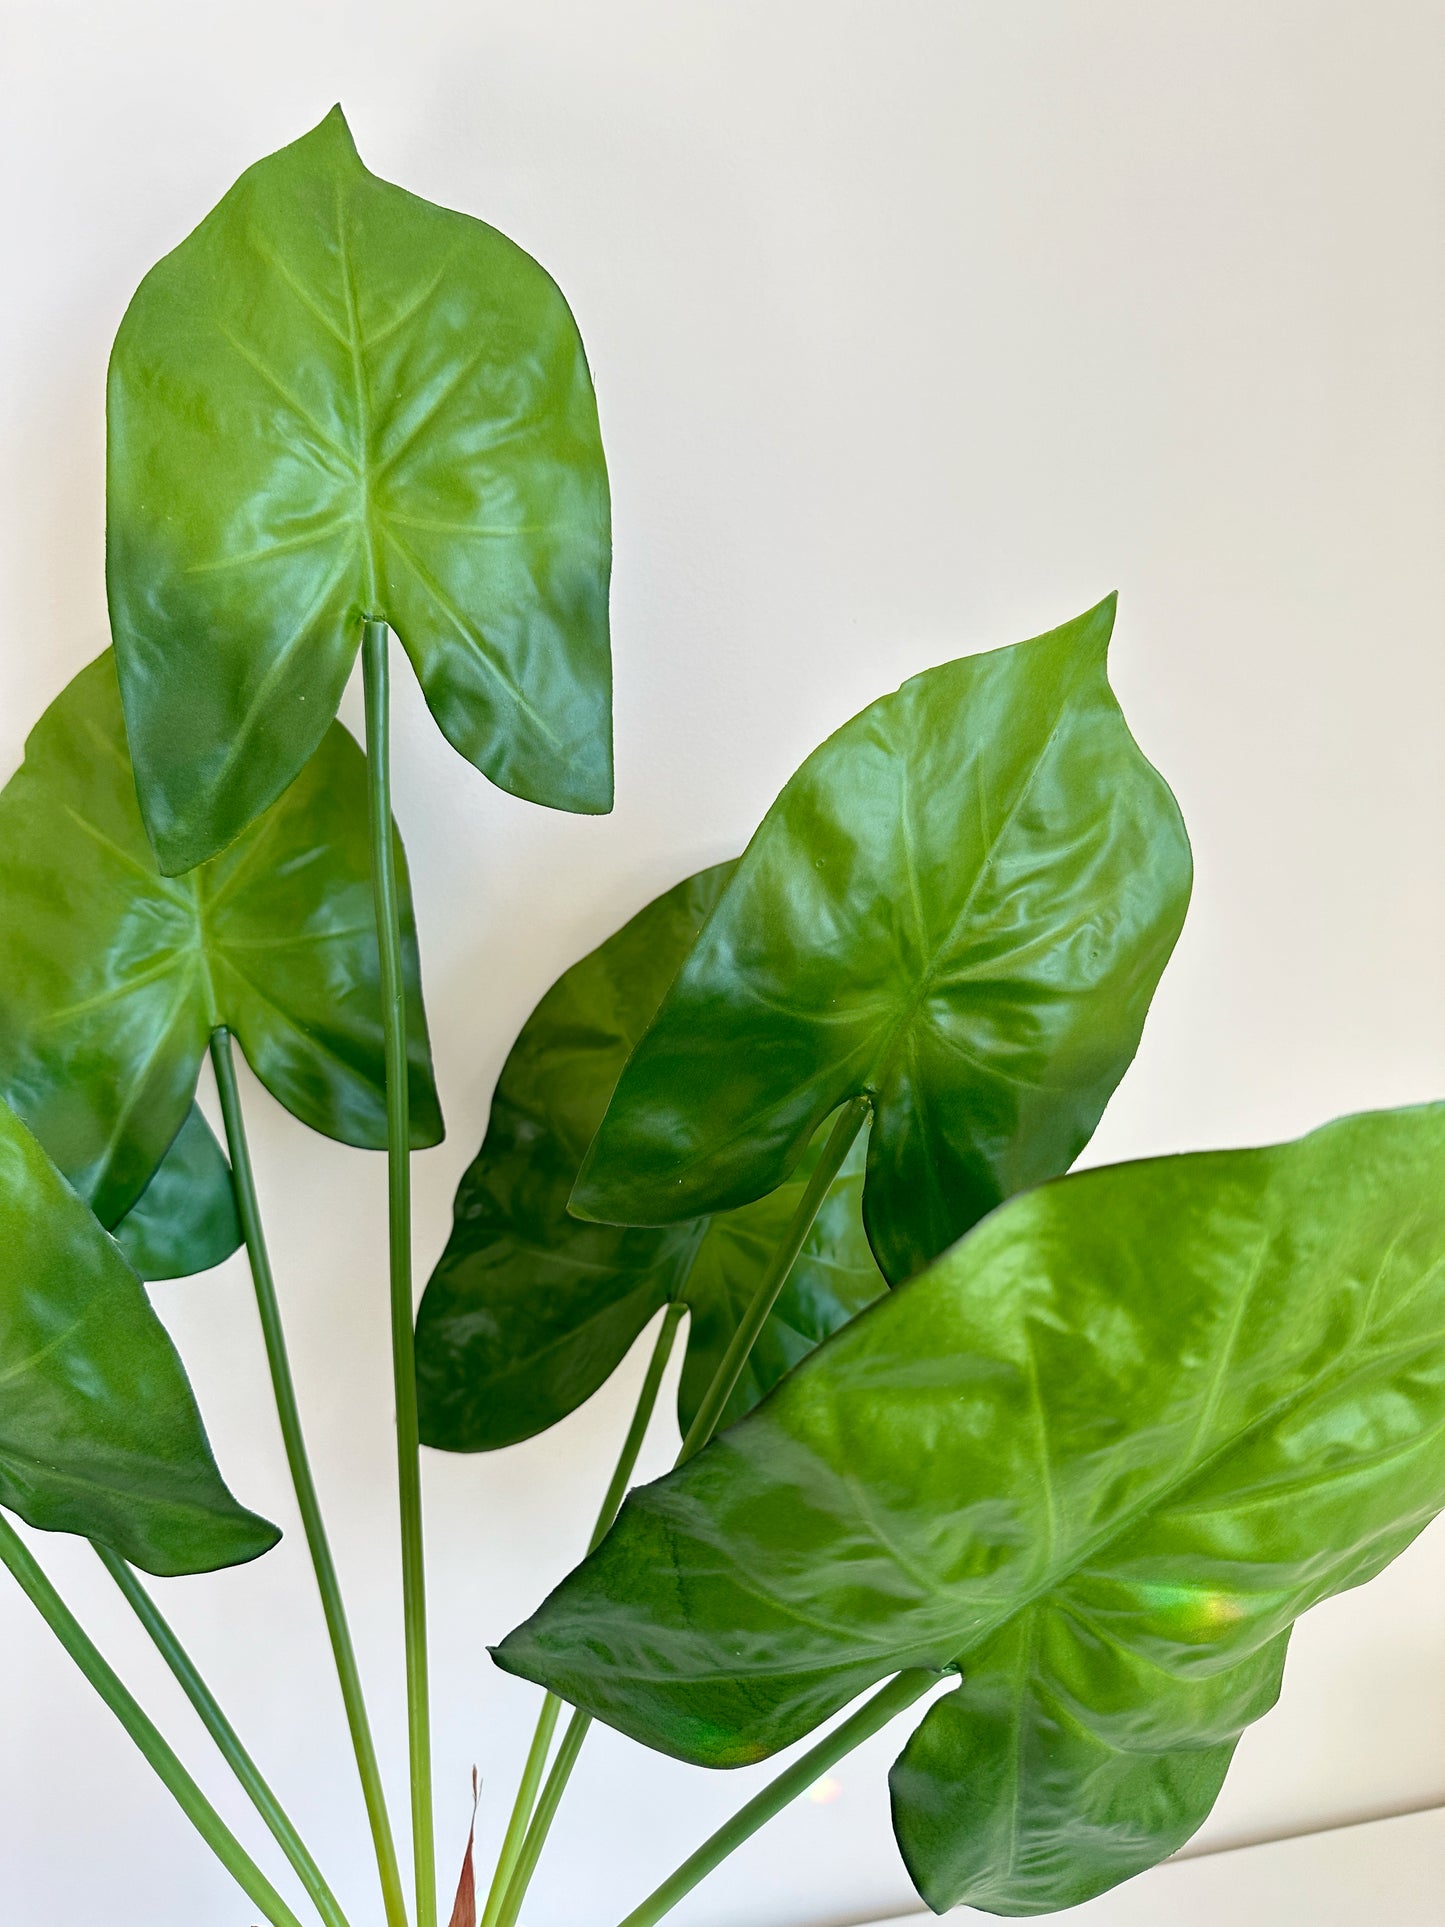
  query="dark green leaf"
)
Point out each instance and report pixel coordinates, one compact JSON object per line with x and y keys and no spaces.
{"x":529,"y":1310}
{"x":959,"y":906}
{"x":336,"y":401}
{"x":1100,"y":1456}
{"x":185,"y":1220}
{"x":113,"y":976}
{"x":99,"y":1433}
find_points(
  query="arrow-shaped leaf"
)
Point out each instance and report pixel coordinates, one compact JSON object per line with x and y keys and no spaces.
{"x":336,"y":401}
{"x":99,"y":1433}
{"x":1099,"y":1456}
{"x":529,"y":1310}
{"x":959,"y":906}
{"x":113,"y":976}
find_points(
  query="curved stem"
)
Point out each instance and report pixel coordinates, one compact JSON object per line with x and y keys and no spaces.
{"x":226,"y":1738}
{"x":900,"y":1692}
{"x":403,"y":1357}
{"x":102,"y":1676}
{"x":840,"y":1142}
{"x":521,"y":1815}
{"x":288,"y":1412}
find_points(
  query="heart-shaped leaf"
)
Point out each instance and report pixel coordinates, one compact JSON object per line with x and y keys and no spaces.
{"x":99,"y":1433}
{"x":112,"y":976}
{"x":1099,"y":1456}
{"x":337,"y":401}
{"x":530,"y":1310}
{"x":959,"y":906}
{"x":185,"y":1220}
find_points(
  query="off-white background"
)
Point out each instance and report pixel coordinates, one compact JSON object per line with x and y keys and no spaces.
{"x":916,"y":327}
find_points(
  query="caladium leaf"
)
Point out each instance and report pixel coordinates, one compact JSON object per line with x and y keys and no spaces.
{"x":113,"y":976}
{"x":185,"y":1220}
{"x":99,"y":1433}
{"x":336,"y":401}
{"x":1099,"y":1457}
{"x":959,"y":907}
{"x":529,"y":1310}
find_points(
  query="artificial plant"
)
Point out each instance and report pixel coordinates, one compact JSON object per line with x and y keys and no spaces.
{"x":1075,"y":1449}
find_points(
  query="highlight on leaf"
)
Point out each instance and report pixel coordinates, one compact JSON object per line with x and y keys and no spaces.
{"x":959,"y":908}
{"x":336,"y":401}
{"x":112,"y":976}
{"x":529,"y":1309}
{"x":99,"y":1432}
{"x":1099,"y":1456}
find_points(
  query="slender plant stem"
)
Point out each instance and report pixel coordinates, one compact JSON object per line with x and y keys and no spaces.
{"x":546,"y":1726}
{"x":226,"y":1738}
{"x":343,"y":1652}
{"x":542,"y":1819}
{"x":900,"y":1692}
{"x":398,"y":1156}
{"x":840,"y":1142}
{"x":102,"y":1676}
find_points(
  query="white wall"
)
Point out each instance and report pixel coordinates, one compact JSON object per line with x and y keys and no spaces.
{"x":917,"y":326}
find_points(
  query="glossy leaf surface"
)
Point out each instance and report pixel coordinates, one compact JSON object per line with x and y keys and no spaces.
{"x":99,"y":1433}
{"x":113,"y":976}
{"x":1099,"y":1456}
{"x":529,"y":1309}
{"x":185,"y":1220}
{"x":959,"y":906}
{"x":336,"y":401}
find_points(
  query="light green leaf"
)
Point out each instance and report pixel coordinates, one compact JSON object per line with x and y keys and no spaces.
{"x":336,"y":401}
{"x":529,"y":1310}
{"x":99,"y":1433}
{"x":113,"y":976}
{"x":959,"y":907}
{"x":1100,"y":1457}
{"x":185,"y":1220}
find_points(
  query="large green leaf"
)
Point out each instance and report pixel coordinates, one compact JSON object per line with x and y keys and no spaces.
{"x":959,"y":906}
{"x":185,"y":1220}
{"x":529,"y":1309}
{"x":1100,"y":1456}
{"x":113,"y":976}
{"x":336,"y":401}
{"x":99,"y":1433}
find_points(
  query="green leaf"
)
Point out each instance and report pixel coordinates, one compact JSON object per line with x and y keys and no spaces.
{"x":1100,"y":1456}
{"x":99,"y":1433}
{"x":185,"y":1220}
{"x":530,"y":1310}
{"x":112,"y":976}
{"x":959,"y":906}
{"x":337,"y":401}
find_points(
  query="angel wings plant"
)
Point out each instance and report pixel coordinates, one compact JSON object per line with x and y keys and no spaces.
{"x":1076,"y":1450}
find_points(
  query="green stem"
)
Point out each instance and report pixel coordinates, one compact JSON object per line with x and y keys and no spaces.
{"x":900,"y":1692}
{"x":542,"y":1819}
{"x":327,"y":1584}
{"x":226,"y":1738}
{"x":546,"y":1726}
{"x":725,"y":1378}
{"x":403,"y":1311}
{"x":840,"y":1141}
{"x":194,"y":1804}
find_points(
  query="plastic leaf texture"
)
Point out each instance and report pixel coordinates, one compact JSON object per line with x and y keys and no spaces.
{"x":185,"y":1220}
{"x":529,"y":1309}
{"x":112,"y":976}
{"x":959,"y":906}
{"x":336,"y":401}
{"x":1099,"y":1457}
{"x":99,"y":1433}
